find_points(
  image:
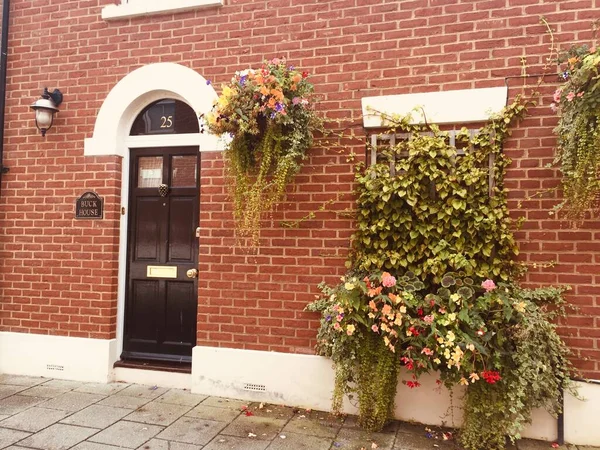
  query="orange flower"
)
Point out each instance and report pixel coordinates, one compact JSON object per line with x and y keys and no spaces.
{"x":264,"y":90}
{"x":296,"y":78}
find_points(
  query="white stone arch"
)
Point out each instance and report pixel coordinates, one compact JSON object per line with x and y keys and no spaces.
{"x":136,"y":91}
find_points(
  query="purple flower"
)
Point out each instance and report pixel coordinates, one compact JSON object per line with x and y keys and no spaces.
{"x":272,"y":116}
{"x":328,"y":318}
{"x":243,"y":79}
{"x":208,"y":82}
{"x":279,"y":106}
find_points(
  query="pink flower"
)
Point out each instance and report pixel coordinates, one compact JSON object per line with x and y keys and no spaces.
{"x":337,"y":326}
{"x":488,"y":285}
{"x":428,"y":319}
{"x":387,"y":280}
{"x":556,"y":96}
{"x":375,"y":328}
{"x":580,"y":94}
{"x":427,"y":351}
{"x":387,"y":309}
{"x":571,"y":96}
{"x":295,"y":100}
{"x":553,"y":107}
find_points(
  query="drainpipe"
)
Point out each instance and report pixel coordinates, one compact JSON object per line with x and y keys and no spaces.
{"x":3,"y":59}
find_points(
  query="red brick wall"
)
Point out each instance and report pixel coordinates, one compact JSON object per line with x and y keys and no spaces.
{"x":58,"y":275}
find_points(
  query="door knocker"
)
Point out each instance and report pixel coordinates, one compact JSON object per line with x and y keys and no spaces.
{"x":163,"y":190}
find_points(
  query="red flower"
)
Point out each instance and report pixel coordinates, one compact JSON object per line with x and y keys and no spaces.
{"x":491,"y":376}
{"x":420,"y":312}
{"x":412,"y":384}
{"x":304,"y":74}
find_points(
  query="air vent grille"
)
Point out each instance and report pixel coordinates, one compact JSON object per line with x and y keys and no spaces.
{"x":55,"y":367}
{"x":255,"y":387}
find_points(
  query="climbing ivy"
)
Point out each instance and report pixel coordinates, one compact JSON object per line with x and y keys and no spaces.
{"x":435,"y":211}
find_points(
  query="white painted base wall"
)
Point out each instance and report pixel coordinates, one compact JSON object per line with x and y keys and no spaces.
{"x":67,"y":358}
{"x":307,"y":381}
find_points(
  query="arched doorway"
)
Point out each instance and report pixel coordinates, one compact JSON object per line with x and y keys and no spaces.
{"x":162,"y":253}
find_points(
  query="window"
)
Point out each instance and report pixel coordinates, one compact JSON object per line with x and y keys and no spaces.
{"x":133,"y":8}
{"x":383,"y":140}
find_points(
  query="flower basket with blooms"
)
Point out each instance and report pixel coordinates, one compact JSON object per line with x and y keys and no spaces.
{"x":269,"y":114}
{"x":578,"y":130}
{"x":497,"y":340}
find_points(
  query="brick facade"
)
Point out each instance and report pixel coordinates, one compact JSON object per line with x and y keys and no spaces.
{"x":59,"y":275}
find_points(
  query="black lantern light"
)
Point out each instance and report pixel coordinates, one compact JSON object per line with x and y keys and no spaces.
{"x":45,"y":108}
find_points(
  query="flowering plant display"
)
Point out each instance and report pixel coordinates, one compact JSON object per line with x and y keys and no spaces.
{"x":269,"y":113}
{"x":470,"y":332}
{"x":577,"y":102}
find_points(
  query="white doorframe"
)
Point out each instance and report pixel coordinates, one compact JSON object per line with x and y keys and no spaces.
{"x":111,"y":137}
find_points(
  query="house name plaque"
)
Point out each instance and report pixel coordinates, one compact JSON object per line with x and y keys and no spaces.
{"x":89,"y":206}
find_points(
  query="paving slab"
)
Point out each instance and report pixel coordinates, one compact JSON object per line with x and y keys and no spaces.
{"x":6,"y":390}
{"x":158,"y":413}
{"x":222,"y":442}
{"x":73,"y":401}
{"x":222,"y":402}
{"x":126,"y":434}
{"x":136,"y":390}
{"x":101,"y":388}
{"x":295,"y":441}
{"x":531,"y":444}
{"x":124,"y":401}
{"x":350,"y":439}
{"x":4,"y":416}
{"x":262,"y":427}
{"x":8,"y":437}
{"x":34,"y":419}
{"x":64,"y":384}
{"x":203,"y":411}
{"x":584,"y":447}
{"x":87,"y":445}
{"x":159,"y":444}
{"x":181,"y":397}
{"x":15,"y":447}
{"x":314,"y":423}
{"x":192,"y":431}
{"x":43,"y":391}
{"x":58,"y":437}
{"x":17,"y":403}
{"x":97,"y":416}
{"x":414,"y":441}
{"x":21,"y":380}
{"x":274,"y":411}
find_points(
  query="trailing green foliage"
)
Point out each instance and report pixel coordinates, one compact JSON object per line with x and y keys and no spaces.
{"x":269,"y":115}
{"x":434,"y":213}
{"x":578,"y":130}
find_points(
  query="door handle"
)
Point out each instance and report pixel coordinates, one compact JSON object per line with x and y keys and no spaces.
{"x":192,"y":273}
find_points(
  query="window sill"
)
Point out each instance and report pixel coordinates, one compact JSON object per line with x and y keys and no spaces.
{"x":149,"y":7}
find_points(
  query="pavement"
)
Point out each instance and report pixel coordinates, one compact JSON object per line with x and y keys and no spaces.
{"x":50,"y":414}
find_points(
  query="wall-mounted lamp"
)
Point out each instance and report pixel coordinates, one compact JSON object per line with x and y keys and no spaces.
{"x":45,"y":108}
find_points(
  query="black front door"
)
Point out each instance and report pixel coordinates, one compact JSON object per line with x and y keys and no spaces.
{"x":162,"y":255}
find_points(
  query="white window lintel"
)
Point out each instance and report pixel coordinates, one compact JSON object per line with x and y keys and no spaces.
{"x":459,"y":106}
{"x":135,"y":8}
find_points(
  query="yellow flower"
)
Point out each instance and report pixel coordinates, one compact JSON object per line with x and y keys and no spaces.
{"x":520,"y":307}
{"x":452,"y":317}
{"x":437,"y":361}
{"x":440,"y":340}
{"x":386,"y":341}
{"x":471,"y":347}
{"x":474,"y":377}
{"x":349,"y":286}
{"x":450,"y":336}
{"x":464,"y":381}
{"x":403,"y":309}
{"x":455,"y":298}
{"x":350,"y":330}
{"x":447,"y":353}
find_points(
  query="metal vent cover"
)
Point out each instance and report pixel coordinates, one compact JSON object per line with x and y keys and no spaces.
{"x":255,"y":387}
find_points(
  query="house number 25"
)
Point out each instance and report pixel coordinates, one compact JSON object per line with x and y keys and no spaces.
{"x":166,"y":121}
